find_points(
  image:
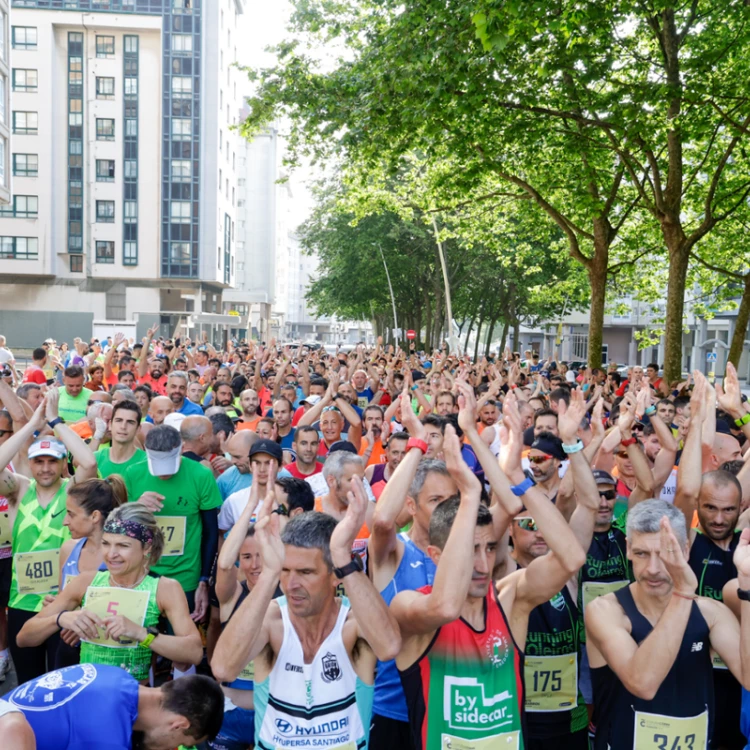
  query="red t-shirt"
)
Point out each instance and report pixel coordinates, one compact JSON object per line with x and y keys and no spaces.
{"x":34,"y":374}
{"x":159,"y":387}
{"x":297,"y":474}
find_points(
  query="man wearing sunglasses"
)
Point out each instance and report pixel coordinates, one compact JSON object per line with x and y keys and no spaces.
{"x":544,"y":458}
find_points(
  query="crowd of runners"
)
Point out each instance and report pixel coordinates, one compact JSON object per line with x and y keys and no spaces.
{"x":281,"y":547}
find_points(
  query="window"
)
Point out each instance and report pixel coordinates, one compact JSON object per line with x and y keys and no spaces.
{"x":22,"y":207}
{"x":221,"y":141}
{"x":26,"y":123}
{"x":181,"y":170}
{"x":131,"y":169}
{"x":181,"y":212}
{"x":182,"y":43}
{"x":3,"y":24}
{"x":131,"y":128}
{"x":105,"y":88}
{"x":25,"y":165}
{"x":25,"y":79}
{"x":182,"y":5}
{"x":221,"y":180}
{"x":76,"y":263}
{"x":130,"y":254}
{"x":105,"y":129}
{"x":24,"y":37}
{"x":182,"y":87}
{"x":105,"y":170}
{"x":2,"y":99}
{"x":105,"y":46}
{"x":130,"y":209}
{"x":182,"y":129}
{"x":131,"y":45}
{"x":105,"y":252}
{"x":180,"y":253}
{"x":105,"y":212}
{"x":221,"y":99}
{"x":20,"y":248}
{"x":131,"y":87}
{"x":3,"y":178}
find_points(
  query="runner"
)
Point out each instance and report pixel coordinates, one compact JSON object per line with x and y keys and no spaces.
{"x":73,"y":397}
{"x":379,"y":474}
{"x":152,"y":369}
{"x":249,"y":403}
{"x":86,"y":705}
{"x":122,"y":452}
{"x":237,"y":477}
{"x":177,"y":387}
{"x":36,"y":511}
{"x":314,"y":653}
{"x":306,"y":442}
{"x":649,"y":643}
{"x":282,"y":417}
{"x":459,"y":634}
{"x":185,"y":499}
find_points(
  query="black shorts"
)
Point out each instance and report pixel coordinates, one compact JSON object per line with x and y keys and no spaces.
{"x":574,"y":741}
{"x":6,"y":573}
{"x":390,"y":734}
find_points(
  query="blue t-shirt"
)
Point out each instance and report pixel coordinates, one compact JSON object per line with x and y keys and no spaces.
{"x":189,"y":408}
{"x":364,"y":397}
{"x":86,"y":707}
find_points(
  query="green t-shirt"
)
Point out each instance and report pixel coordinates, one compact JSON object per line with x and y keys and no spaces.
{"x":108,"y":467}
{"x":188,"y":492}
{"x":73,"y":409}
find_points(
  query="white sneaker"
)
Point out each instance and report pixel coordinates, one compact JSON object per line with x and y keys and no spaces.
{"x":4,"y":667}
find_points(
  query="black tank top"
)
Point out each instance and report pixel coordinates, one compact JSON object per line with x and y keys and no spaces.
{"x":712,"y":565}
{"x":554,"y":705}
{"x":378,"y":473}
{"x":687,"y":691}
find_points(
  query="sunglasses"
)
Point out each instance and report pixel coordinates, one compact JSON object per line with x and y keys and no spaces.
{"x":539,"y":459}
{"x":331,"y":408}
{"x":608,"y":495}
{"x":527,"y":523}
{"x":282,"y":510}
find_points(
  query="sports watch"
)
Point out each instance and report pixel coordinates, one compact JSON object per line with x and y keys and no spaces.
{"x":628,"y":441}
{"x":152,"y":632}
{"x":417,"y":443}
{"x":743,"y":595}
{"x":355,"y":566}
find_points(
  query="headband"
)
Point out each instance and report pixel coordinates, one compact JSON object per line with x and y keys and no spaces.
{"x":131,"y":529}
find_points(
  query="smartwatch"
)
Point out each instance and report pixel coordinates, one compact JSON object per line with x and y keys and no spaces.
{"x":54,"y":422}
{"x":577,"y":446}
{"x":650,"y":410}
{"x":743,"y":595}
{"x":416,"y":443}
{"x":743,"y":420}
{"x":355,"y":566}
{"x":523,"y":488}
{"x":152,"y":632}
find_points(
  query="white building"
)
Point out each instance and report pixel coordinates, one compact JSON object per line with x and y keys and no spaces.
{"x":4,"y":105}
{"x":124,"y":166}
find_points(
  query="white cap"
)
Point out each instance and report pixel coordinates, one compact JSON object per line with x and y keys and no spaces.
{"x":570,"y":376}
{"x":164,"y":463}
{"x":174,"y":419}
{"x":48,"y":447}
{"x":311,"y":400}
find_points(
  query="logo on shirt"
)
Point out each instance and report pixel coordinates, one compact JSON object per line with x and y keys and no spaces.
{"x":331,"y":669}
{"x":696,"y":647}
{"x":467,"y":707}
{"x":497,"y":648}
{"x":54,"y":689}
{"x":292,"y":668}
{"x":558,"y":602}
{"x":416,"y":564}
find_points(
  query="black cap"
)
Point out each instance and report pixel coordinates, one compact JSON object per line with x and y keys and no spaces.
{"x":269,"y":447}
{"x":343,"y":445}
{"x":549,"y":444}
{"x":603,"y":477}
{"x":722,"y":427}
{"x":417,"y":375}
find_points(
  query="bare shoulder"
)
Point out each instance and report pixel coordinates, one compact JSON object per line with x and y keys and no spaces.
{"x":713,"y":610}
{"x":607,"y":608}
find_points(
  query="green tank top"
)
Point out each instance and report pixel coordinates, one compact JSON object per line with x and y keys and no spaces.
{"x":37,"y":531}
{"x":136,"y":661}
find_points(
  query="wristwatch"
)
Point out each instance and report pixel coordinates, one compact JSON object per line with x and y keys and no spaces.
{"x":628,"y":441}
{"x":523,"y":488}
{"x":416,"y":443}
{"x":152,"y":632}
{"x":355,"y":566}
{"x":577,"y":446}
{"x":743,"y":420}
{"x":54,"y":422}
{"x":743,"y":595}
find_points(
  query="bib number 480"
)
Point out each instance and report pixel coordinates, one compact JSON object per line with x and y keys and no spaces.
{"x":545,"y":680}
{"x":39,"y":569}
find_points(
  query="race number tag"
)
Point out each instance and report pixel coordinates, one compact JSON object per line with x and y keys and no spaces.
{"x":38,"y":572}
{"x":109,"y":601}
{"x":505,"y":741}
{"x":594,"y":589}
{"x":717,"y":662}
{"x":551,"y":683}
{"x":173,"y":528}
{"x":6,"y":532}
{"x":248,"y":673}
{"x":657,"y":732}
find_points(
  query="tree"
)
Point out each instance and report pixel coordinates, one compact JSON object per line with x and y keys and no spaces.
{"x":599,"y":113}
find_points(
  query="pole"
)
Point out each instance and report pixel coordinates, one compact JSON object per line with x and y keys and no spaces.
{"x":393,"y":299}
{"x":448,"y":305}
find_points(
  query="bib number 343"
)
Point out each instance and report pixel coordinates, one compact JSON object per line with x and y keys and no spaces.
{"x":658,"y":732}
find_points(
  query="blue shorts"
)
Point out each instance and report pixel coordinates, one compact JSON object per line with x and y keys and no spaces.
{"x":237,"y":731}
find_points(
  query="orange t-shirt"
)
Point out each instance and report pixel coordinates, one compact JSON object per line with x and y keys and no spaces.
{"x":82,"y":429}
{"x":360,"y":543}
{"x":248,"y":425}
{"x":378,"y":452}
{"x":159,"y":387}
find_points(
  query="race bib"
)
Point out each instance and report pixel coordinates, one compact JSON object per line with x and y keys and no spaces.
{"x":248,"y":673}
{"x":551,"y":683}
{"x":6,"y":532}
{"x":38,"y":572}
{"x":717,"y":662}
{"x":505,"y":741}
{"x":594,"y":589}
{"x":173,"y":528}
{"x":110,"y":601}
{"x":657,"y":732}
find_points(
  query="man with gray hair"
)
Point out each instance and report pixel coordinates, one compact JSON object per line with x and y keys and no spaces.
{"x":185,"y":499}
{"x":177,"y":386}
{"x":197,"y":434}
{"x":650,"y":643}
{"x":314,"y":652}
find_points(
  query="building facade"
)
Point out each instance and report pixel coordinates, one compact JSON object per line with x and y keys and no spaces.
{"x":5,"y":177}
{"x":127,"y":211}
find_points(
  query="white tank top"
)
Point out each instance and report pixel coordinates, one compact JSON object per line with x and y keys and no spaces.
{"x":495,"y":445}
{"x":318,"y":705}
{"x":669,"y":490}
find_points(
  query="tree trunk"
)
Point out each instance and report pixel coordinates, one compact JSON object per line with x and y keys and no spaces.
{"x":488,"y":343}
{"x":479,"y":338}
{"x":598,"y":282}
{"x":678,"y":266}
{"x":428,"y":322}
{"x":740,"y":330}
{"x":468,"y":332}
{"x":504,"y":337}
{"x":516,"y":334}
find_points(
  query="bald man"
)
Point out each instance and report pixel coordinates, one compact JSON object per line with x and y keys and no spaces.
{"x":197,"y":435}
{"x":237,"y":477}
{"x":157,"y":412}
{"x":725,"y":448}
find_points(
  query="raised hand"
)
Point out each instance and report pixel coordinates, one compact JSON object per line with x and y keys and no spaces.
{"x":673,"y":557}
{"x":467,"y":407}
{"x":729,"y":395}
{"x":569,"y":417}
{"x":454,"y":461}
{"x":347,"y":529}
{"x":52,"y":401}
{"x":742,"y":559}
